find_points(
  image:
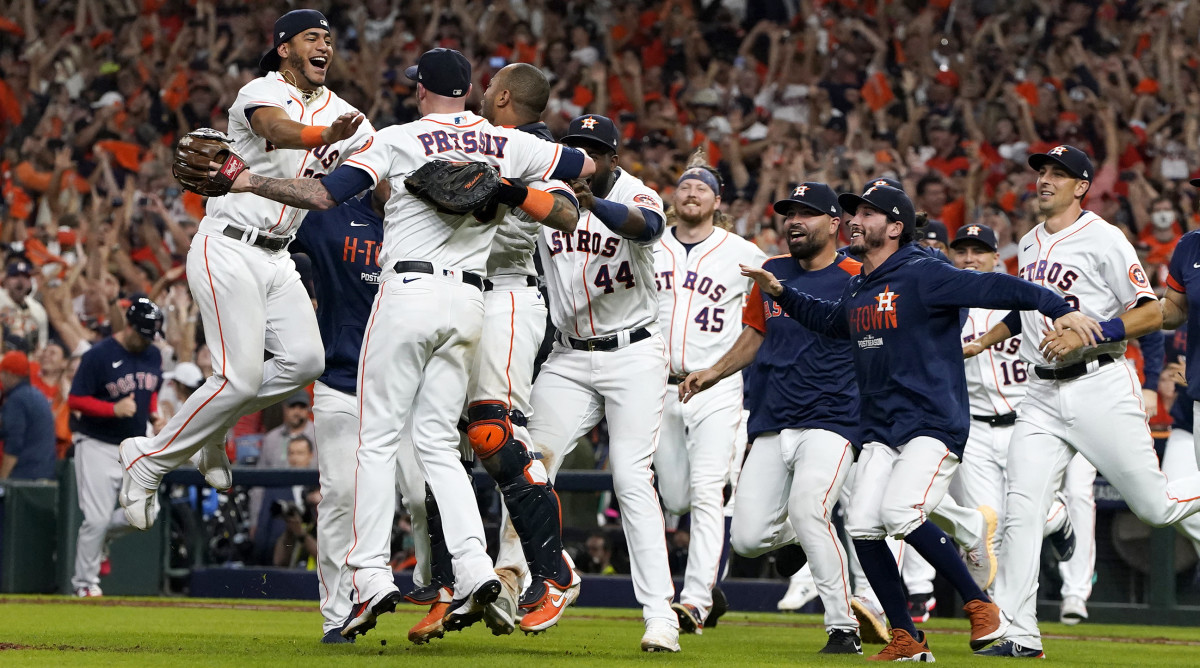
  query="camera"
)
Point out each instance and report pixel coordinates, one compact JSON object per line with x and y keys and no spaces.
{"x":280,"y":508}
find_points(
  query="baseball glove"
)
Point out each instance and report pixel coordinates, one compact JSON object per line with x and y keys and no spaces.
{"x":454,"y":187}
{"x":193,"y":154}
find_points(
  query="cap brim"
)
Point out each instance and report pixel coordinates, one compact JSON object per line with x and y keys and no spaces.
{"x":411,"y":72}
{"x":270,"y":61}
{"x":785,"y":206}
{"x":1195,"y":182}
{"x":849,"y":203}
{"x":1038,"y":160}
{"x":972,"y":240}
{"x":577,"y":140}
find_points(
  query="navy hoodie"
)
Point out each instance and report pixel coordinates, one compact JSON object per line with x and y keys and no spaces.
{"x":903,"y":319}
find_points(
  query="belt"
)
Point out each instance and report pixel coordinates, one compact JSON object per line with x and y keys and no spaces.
{"x":269,"y":243}
{"x":1070,"y":371}
{"x":1006,"y":420}
{"x":419,"y":267}
{"x":605,"y":343}
{"x":674,"y":379}
{"x":488,"y":286}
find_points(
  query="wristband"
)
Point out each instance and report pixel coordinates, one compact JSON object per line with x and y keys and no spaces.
{"x":511,"y":195}
{"x":612,"y":214}
{"x":1113,"y":330}
{"x":310,"y":136}
{"x":538,"y":204}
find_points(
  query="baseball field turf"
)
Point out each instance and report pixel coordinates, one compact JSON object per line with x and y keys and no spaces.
{"x":59,"y":631}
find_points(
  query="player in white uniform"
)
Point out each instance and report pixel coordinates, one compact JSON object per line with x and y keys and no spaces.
{"x":609,"y":359}
{"x":285,"y":125}
{"x":701,"y":292}
{"x":425,"y":325}
{"x":1081,"y":398}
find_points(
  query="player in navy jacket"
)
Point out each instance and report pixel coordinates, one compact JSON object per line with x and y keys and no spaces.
{"x":902,"y":317}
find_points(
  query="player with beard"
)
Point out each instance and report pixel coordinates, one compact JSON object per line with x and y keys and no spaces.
{"x":700,"y":289}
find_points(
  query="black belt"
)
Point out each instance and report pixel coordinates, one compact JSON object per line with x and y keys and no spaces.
{"x":1006,"y":420}
{"x":605,"y":343}
{"x":488,"y":286}
{"x":419,"y":267}
{"x":674,"y":379}
{"x":269,"y":243}
{"x":1070,"y":371}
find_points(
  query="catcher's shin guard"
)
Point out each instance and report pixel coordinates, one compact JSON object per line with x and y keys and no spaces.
{"x":441,"y":567}
{"x":530,"y":498}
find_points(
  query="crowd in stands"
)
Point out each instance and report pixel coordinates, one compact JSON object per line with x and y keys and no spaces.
{"x":947,"y":96}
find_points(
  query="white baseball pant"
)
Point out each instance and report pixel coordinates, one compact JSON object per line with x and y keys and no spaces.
{"x":97,"y":482}
{"x":628,"y":386}
{"x":791,"y":481}
{"x":336,"y":422}
{"x":251,"y":300}
{"x":1100,"y":415}
{"x":1179,"y":461}
{"x":419,"y":345}
{"x":695,"y":448}
{"x":896,"y":488}
{"x":1079,"y":487}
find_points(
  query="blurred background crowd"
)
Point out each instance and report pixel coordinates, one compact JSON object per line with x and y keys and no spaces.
{"x":949,"y":96}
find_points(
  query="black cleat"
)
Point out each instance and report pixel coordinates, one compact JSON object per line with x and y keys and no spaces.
{"x":842,"y":641}
{"x":425,"y":596}
{"x":719,"y":607}
{"x":789,"y":559}
{"x":363,"y":615}
{"x":464,"y":612}
{"x":334,"y":637}
{"x":1011,"y":650}
{"x":1063,"y":541}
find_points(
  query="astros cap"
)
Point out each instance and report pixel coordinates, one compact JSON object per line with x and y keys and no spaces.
{"x":445,"y":72}
{"x":935,"y":231}
{"x":1075,"y":161}
{"x":978,"y":233}
{"x":592,"y":129}
{"x":885,"y":181}
{"x":812,"y":195}
{"x":892,"y":202}
{"x":288,"y":26}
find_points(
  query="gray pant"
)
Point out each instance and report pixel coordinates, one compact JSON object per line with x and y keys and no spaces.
{"x":98,"y":481}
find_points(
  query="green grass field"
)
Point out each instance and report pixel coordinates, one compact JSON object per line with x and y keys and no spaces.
{"x":43,"y":631}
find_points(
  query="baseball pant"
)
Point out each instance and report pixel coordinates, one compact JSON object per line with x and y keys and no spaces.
{"x":981,"y":475}
{"x":97,"y":481}
{"x":419,"y":345}
{"x":1101,"y":416}
{"x":791,"y":481}
{"x":628,"y":385}
{"x":1079,"y":487}
{"x":336,"y":422}
{"x":695,"y":448}
{"x":896,"y":488}
{"x":1179,"y":461}
{"x":251,"y":301}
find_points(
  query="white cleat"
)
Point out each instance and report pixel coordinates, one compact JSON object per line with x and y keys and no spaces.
{"x":140,"y":504}
{"x":1073,"y":611}
{"x":800,"y":591}
{"x":661,"y":636}
{"x":212,"y":462}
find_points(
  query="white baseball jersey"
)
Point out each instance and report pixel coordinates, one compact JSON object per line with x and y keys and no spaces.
{"x":415,"y":230}
{"x":601,"y":283}
{"x":996,"y":377}
{"x":516,"y":237}
{"x":1093,"y":266}
{"x":251,"y":211}
{"x":701,"y":294}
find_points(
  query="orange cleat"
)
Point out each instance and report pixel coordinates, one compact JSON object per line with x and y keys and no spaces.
{"x":430,"y":627}
{"x":550,"y":609}
{"x":904,"y":647}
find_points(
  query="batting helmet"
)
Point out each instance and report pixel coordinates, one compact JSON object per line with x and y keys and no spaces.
{"x":145,"y":317}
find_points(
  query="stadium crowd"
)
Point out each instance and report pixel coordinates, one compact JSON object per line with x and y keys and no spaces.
{"x":948,"y":97}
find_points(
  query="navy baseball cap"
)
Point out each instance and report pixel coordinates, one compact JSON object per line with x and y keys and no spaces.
{"x":445,"y":72}
{"x":1075,"y":161}
{"x":288,"y":26}
{"x":892,"y":202}
{"x":19,"y":268}
{"x":594,"y":129}
{"x":978,"y":233}
{"x":812,"y":195}
{"x":886,"y":181}
{"x":935,"y":230}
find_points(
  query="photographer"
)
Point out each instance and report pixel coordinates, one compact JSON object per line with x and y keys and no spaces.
{"x":297,"y":545}
{"x":274,"y":522}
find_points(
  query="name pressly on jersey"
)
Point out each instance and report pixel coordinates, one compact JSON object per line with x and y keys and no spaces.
{"x":470,"y":141}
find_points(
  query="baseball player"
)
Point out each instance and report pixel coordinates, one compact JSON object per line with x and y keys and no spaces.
{"x":1078,"y":400}
{"x":902,"y":314}
{"x":115,"y":392}
{"x":700,"y":291}
{"x":284,"y":124}
{"x":501,"y":381}
{"x":609,"y":358}
{"x":421,"y":338}
{"x":803,"y":423}
{"x":1179,"y":457}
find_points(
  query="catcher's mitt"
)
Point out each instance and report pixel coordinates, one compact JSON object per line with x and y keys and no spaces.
{"x":192,"y":155}
{"x":454,"y":187}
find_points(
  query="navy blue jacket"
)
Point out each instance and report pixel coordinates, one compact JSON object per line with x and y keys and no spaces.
{"x":903,"y":319}
{"x":27,"y":427}
{"x":109,"y":372}
{"x":799,"y":378}
{"x":343,"y":244}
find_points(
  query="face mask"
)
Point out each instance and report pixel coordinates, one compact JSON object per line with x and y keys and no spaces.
{"x":1162,"y":219}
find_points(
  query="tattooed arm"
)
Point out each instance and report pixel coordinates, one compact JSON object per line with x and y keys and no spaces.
{"x":300,"y":193}
{"x":563,"y":216}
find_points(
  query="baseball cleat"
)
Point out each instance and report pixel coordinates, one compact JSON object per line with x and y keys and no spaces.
{"x":212,"y":462}
{"x":430,"y":626}
{"x":1011,"y":650}
{"x":789,"y":559}
{"x":363,"y":615}
{"x":981,"y":557}
{"x":842,"y":641}
{"x":690,"y":620}
{"x":660,"y":636}
{"x":988,"y":623}
{"x":905,"y":647}
{"x":334,"y":637}
{"x":427,"y":595}
{"x":719,"y":607}
{"x":140,"y":504}
{"x":872,"y":625}
{"x":90,"y":591}
{"x":553,"y":604}
{"x":921,"y":606}
{"x":1072,"y":611}
{"x":464,"y":612}
{"x":801,"y":590}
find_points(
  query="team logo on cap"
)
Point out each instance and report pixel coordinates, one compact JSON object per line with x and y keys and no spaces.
{"x":974,"y":230}
{"x":799,"y":191}
{"x":1057,"y":150}
{"x":869,"y":191}
{"x":880,"y":182}
{"x":589,"y":123}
